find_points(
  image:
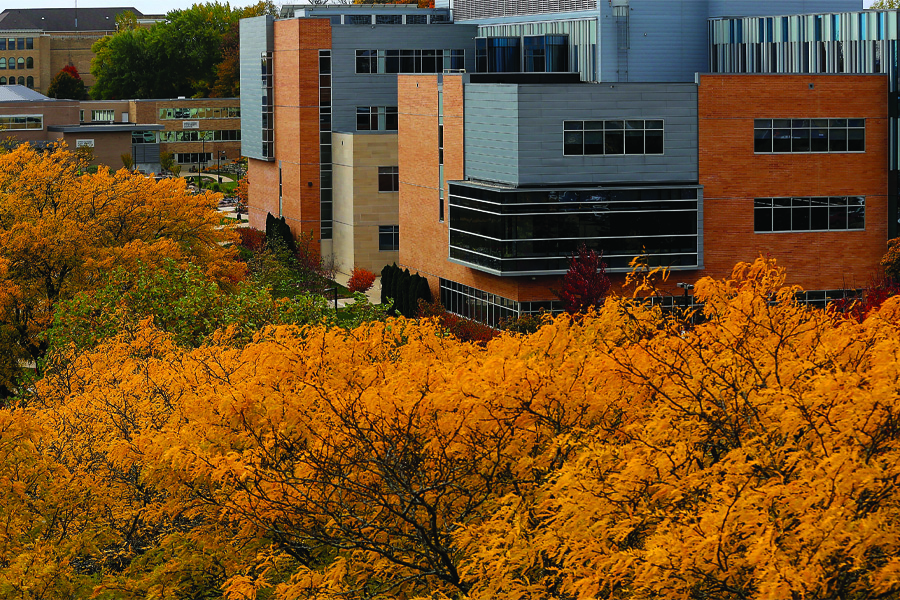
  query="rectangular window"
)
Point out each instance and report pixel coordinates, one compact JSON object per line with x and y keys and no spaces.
{"x":2,"y":43}
{"x":416,"y":19}
{"x":606,"y":138}
{"x":193,"y":158}
{"x":19,"y":122}
{"x":389,"y":238}
{"x":103,"y":115}
{"x":376,"y":118}
{"x":783,"y":136}
{"x":409,"y":61}
{"x":81,"y":116}
{"x":388,"y":179}
{"x":20,"y":43}
{"x":389,"y":19}
{"x":835,"y":213}
{"x":358,"y":19}
{"x":143,"y":137}
{"x":29,"y":43}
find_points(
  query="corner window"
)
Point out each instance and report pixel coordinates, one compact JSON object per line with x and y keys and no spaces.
{"x":789,"y":136}
{"x":389,"y":238}
{"x":613,"y":137}
{"x":388,"y":179}
{"x":834,"y":213}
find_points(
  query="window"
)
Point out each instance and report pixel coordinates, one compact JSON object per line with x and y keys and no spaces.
{"x":143,"y":137}
{"x":29,"y":63}
{"x":187,"y":158}
{"x":2,"y":80}
{"x":29,"y":81}
{"x":103,"y":115}
{"x":359,"y":20}
{"x":389,"y":238}
{"x":778,"y":136}
{"x":593,"y":138}
{"x":388,"y":179}
{"x":2,"y":43}
{"x":2,"y":63}
{"x":20,"y":63}
{"x":416,"y":20}
{"x":409,"y":61}
{"x":224,"y":112}
{"x":389,"y":19}
{"x":18,"y":122}
{"x":376,"y":118}
{"x":226,"y":135}
{"x":12,"y":63}
{"x":21,"y":81}
{"x":835,"y":213}
{"x":29,"y":43}
{"x":81,"y":116}
{"x":546,"y":53}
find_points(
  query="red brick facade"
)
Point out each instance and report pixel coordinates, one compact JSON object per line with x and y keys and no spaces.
{"x":731,"y":174}
{"x":296,"y":74}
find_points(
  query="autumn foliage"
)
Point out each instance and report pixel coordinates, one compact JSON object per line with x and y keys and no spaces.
{"x":623,"y":455}
{"x":585,"y":284}
{"x":361,"y":280}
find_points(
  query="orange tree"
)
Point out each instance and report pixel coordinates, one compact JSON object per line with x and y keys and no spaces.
{"x":622,"y":455}
{"x":61,"y":231}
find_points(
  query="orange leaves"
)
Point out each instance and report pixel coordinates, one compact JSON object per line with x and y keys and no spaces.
{"x":627,"y":455}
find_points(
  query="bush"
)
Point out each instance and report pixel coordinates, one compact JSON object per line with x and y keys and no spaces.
{"x":459,"y":327}
{"x":252,"y":239}
{"x":361,"y":280}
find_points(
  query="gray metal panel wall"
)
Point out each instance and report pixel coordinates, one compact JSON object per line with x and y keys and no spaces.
{"x":531,"y":153}
{"x":145,"y":153}
{"x":350,"y":89}
{"x":257,"y":36}
{"x":668,"y":38}
{"x":492,"y":132}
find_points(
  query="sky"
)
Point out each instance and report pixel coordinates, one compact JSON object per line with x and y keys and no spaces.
{"x":148,"y":7}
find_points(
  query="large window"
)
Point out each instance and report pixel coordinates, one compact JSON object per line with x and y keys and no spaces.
{"x":389,"y":238}
{"x":809,"y":135}
{"x":192,"y":158}
{"x":14,"y":122}
{"x":103,"y":115}
{"x":591,"y":138}
{"x":534,"y":231}
{"x":376,"y":118}
{"x":409,"y":61}
{"x":546,"y":53}
{"x":224,"y":112}
{"x":388,"y":179}
{"x":143,"y":137}
{"x":226,"y":135}
{"x":834,"y":213}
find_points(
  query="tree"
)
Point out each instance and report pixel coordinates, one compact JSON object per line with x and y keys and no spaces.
{"x":585,"y":284}
{"x":886,"y":4}
{"x":126,"y":21}
{"x":167,"y":162}
{"x":67,"y":84}
{"x":61,"y":232}
{"x":127,"y":161}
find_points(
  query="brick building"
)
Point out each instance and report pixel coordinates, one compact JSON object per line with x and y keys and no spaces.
{"x":41,"y":41}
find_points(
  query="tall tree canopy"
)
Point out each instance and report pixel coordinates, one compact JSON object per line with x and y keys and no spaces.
{"x":180,"y":56}
{"x":625,"y":455}
{"x":62,"y":231}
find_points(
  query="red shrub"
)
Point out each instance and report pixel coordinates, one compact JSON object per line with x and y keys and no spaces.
{"x":252,"y":239}
{"x":361,"y":280}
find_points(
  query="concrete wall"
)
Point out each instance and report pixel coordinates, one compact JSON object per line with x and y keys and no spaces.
{"x":350,"y":89}
{"x":514,"y":133}
{"x":359,"y":208}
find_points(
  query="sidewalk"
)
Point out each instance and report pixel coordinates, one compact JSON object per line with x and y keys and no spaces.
{"x":374,"y":293}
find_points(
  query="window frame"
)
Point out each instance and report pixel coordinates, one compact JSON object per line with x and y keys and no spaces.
{"x":601,"y":126}
{"x":391,"y":235}
{"x":8,"y":125}
{"x":791,"y":125}
{"x":792,"y":208}
{"x":388,"y":179}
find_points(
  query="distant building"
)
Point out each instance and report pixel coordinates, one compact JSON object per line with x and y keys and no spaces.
{"x":36,"y":43}
{"x":200,"y":132}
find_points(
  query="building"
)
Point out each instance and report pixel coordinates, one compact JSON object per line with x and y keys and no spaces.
{"x":635,"y":127}
{"x":36,"y":43}
{"x":199,"y":132}
{"x":319,"y":106}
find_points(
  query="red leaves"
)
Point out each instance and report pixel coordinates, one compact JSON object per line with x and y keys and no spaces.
{"x":585,"y":284}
